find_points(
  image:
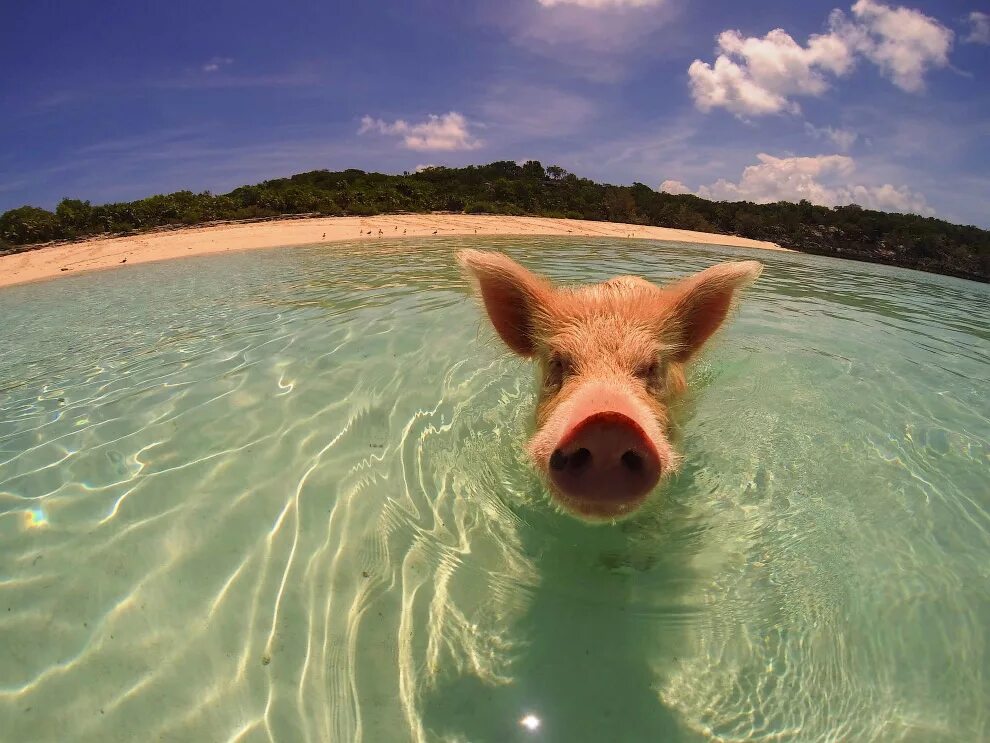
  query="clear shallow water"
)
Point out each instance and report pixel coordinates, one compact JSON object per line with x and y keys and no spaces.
{"x":279,"y":496}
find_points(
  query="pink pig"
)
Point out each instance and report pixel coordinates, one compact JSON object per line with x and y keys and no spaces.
{"x":612,"y":357}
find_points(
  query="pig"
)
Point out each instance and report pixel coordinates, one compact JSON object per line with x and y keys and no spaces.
{"x":611,"y":360}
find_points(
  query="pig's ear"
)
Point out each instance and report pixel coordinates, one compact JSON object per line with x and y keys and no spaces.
{"x":514,"y":298}
{"x":700,"y":303}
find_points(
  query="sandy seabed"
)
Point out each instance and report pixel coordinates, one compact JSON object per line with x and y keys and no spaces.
{"x":120,"y":252}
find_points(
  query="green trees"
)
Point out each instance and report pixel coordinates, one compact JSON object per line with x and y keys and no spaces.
{"x":507,"y":187}
{"x":28,"y":224}
{"x":74,"y":217}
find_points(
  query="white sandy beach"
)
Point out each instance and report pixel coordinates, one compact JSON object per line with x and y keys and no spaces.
{"x":120,"y":252}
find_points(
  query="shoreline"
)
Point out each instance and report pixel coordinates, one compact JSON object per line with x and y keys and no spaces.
{"x":68,"y":259}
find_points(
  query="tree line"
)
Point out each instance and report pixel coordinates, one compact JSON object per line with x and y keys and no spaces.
{"x":506,"y":187}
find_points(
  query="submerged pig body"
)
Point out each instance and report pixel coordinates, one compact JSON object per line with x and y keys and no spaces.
{"x":612,"y":359}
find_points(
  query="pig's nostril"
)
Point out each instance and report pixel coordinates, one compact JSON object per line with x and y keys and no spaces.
{"x":579,"y":458}
{"x":573,"y":461}
{"x":632,"y":461}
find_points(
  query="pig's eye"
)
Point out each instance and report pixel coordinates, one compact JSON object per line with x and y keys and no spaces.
{"x":649,"y":371}
{"x":556,"y":371}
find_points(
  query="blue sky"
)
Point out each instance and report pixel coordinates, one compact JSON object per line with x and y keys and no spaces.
{"x":883,"y":104}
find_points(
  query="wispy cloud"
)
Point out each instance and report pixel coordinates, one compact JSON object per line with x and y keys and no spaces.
{"x":754,"y":76}
{"x":193,"y":78}
{"x":60,"y":98}
{"x":521,"y":111}
{"x":13,"y":185}
{"x":222,"y":79}
{"x":821,"y":179}
{"x":600,"y":4}
{"x":844,"y":139}
{"x":979,"y":28}
{"x":448,"y":132}
{"x":214,"y":64}
{"x":148,"y":142}
{"x":595,"y":39}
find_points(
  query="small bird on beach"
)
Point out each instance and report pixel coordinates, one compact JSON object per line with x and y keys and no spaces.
{"x":124,"y":261}
{"x":63,"y":269}
{"x":324,"y":234}
{"x":434,"y":232}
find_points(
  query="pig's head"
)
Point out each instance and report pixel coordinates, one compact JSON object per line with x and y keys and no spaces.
{"x":611,"y":357}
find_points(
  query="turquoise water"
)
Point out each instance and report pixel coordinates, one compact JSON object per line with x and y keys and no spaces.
{"x":280,"y":495}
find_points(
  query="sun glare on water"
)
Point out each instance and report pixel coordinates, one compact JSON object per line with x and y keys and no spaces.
{"x":531,"y":722}
{"x":35,"y":518}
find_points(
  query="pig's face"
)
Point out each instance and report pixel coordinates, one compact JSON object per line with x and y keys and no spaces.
{"x":611,"y":358}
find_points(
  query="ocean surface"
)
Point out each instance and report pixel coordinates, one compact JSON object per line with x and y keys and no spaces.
{"x":280,"y":495}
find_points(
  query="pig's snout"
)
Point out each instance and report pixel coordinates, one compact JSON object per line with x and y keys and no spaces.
{"x":605,"y":464}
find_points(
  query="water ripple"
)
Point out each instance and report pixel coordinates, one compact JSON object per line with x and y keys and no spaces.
{"x":281,"y":495}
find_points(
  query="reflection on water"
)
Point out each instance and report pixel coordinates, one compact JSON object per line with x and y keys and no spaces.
{"x":280,"y":496}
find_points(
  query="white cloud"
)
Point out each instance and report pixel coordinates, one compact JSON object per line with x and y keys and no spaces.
{"x":674,"y":187}
{"x":754,"y":76}
{"x":844,"y":139}
{"x":902,"y":42}
{"x":758,"y":76}
{"x":979,"y":32}
{"x":822,"y":179}
{"x":601,"y":3}
{"x":216,"y":63}
{"x":448,"y":132}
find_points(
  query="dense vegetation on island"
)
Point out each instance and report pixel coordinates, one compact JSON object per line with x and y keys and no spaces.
{"x":505,"y":187}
